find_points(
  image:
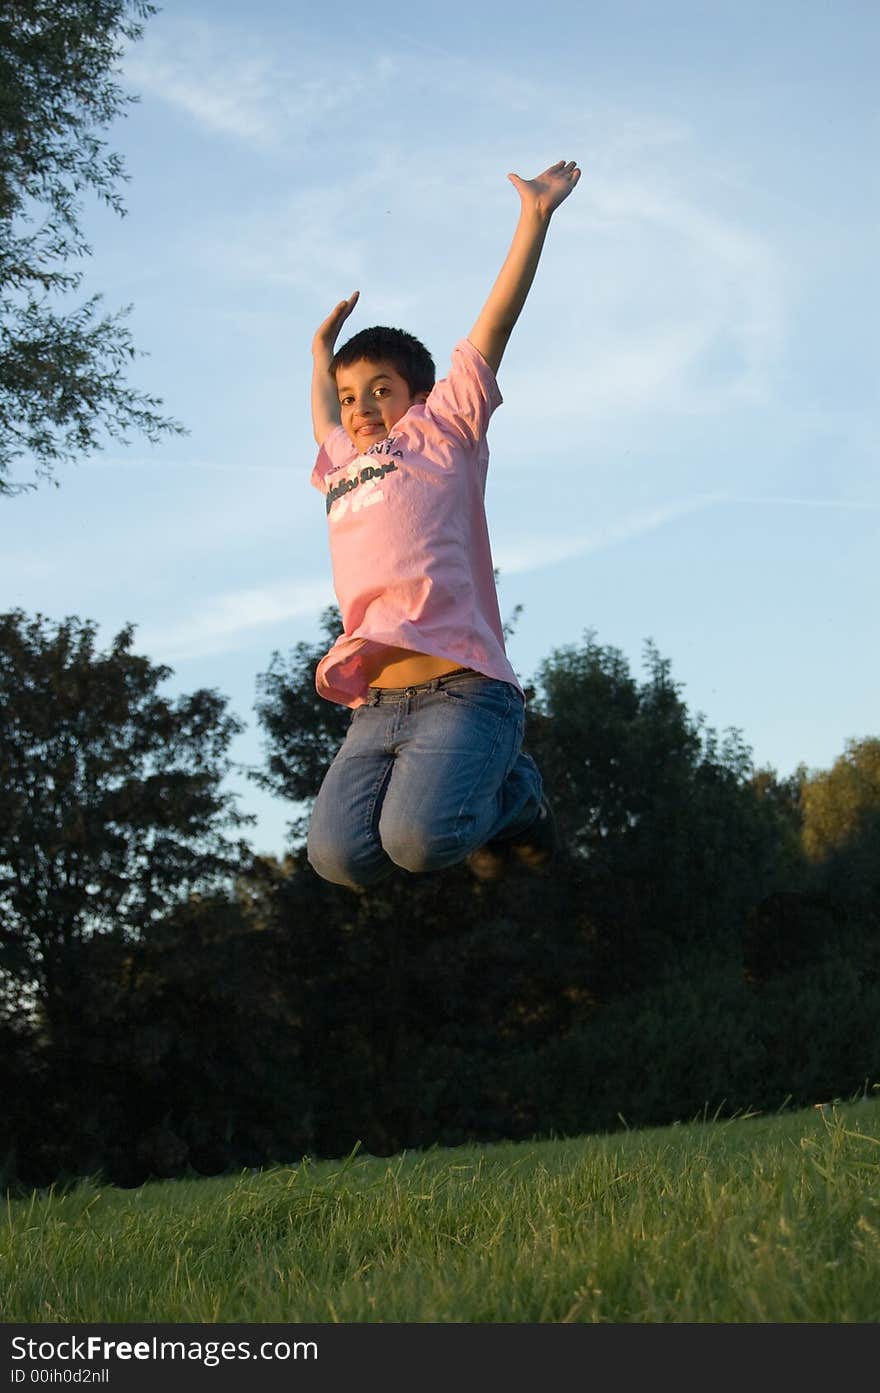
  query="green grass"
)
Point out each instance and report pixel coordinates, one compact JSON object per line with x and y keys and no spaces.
{"x":748,"y":1220}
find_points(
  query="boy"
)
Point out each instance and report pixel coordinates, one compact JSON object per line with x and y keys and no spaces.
{"x":431,"y":771}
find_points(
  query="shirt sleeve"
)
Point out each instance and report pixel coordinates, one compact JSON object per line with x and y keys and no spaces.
{"x":466,"y":398}
{"x":336,"y":451}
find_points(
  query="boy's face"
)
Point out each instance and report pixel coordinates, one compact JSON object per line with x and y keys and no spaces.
{"x":372,"y":399}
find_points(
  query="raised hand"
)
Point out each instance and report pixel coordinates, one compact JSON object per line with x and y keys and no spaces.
{"x":325,"y":403}
{"x":539,"y":197}
{"x":328,"y":332}
{"x":546,"y":191}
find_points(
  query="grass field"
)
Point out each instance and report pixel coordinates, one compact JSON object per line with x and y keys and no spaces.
{"x":756,"y":1219}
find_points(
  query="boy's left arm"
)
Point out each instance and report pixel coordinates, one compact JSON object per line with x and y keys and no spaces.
{"x":325,"y":401}
{"x":539,"y":197}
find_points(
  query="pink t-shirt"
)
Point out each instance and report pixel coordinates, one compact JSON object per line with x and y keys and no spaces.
{"x":412,"y":566}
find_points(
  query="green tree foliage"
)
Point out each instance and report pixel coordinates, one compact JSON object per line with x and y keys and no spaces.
{"x":841,"y":837}
{"x":788,"y":930}
{"x":416,"y":999}
{"x":186,"y":1055}
{"x":842,"y":804}
{"x":111,"y":807}
{"x":782,"y":799}
{"x":62,"y":370}
{"x":673,"y":840}
{"x":207,"y":1075}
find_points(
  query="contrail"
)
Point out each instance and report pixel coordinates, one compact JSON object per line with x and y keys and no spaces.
{"x":858,"y":504}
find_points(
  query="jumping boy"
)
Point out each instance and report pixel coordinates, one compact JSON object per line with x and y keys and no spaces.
{"x":432,"y":770}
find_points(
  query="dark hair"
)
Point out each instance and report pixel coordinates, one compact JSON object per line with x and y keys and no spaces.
{"x":403,"y":351}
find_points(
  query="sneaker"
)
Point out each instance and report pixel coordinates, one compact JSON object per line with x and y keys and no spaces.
{"x":533,"y":847}
{"x":488,"y":862}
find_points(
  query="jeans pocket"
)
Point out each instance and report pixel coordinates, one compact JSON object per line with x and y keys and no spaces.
{"x":492,"y":698}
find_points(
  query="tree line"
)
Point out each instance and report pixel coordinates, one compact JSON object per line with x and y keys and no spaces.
{"x":172,"y":1003}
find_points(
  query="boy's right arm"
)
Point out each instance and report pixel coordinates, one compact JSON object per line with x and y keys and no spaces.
{"x":325,"y":402}
{"x":539,"y":198}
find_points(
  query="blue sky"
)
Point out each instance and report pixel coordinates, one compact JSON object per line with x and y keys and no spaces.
{"x":687,"y":449}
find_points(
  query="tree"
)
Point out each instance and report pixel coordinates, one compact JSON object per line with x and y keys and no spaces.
{"x":841,"y":803}
{"x":62,"y":371}
{"x":674,"y":842}
{"x":111,"y":808}
{"x":841,"y":836}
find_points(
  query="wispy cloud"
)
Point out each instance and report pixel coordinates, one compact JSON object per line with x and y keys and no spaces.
{"x":517,"y":557}
{"x":225,"y":622}
{"x":230,"y":82}
{"x":673,"y":308}
{"x":225,"y":92}
{"x":117,"y":464}
{"x":736,"y":280}
{"x":854,"y":504}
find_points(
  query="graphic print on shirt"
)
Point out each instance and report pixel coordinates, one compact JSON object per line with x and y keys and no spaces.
{"x":364,"y":482}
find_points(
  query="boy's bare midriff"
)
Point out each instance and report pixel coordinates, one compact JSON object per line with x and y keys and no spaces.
{"x":400,"y":667}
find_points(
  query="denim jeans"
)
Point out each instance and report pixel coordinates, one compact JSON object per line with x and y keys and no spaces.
{"x":425,"y":775}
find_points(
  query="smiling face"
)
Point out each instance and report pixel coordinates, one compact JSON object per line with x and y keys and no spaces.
{"x":372,"y":399}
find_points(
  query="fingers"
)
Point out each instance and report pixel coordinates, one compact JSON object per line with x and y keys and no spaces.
{"x":345,"y":307}
{"x":339,"y":313}
{"x":567,"y":169}
{"x":328,"y":331}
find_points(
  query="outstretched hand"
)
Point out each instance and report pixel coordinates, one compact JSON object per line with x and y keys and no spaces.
{"x":328,"y":332}
{"x":546,"y":191}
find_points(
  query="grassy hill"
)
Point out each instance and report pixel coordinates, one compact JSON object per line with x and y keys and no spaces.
{"x":753,"y":1219}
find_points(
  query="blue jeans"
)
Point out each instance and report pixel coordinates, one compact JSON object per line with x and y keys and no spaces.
{"x":425,"y":775}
